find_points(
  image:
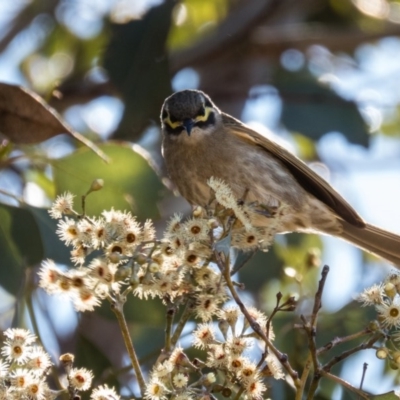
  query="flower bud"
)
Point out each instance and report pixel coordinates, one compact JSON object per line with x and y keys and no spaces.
{"x":382,"y":353}
{"x":390,"y":290}
{"x":97,"y":184}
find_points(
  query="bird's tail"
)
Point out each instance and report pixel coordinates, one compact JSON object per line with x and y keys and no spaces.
{"x":374,"y":240}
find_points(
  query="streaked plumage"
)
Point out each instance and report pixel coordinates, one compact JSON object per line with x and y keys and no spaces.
{"x":200,"y":141}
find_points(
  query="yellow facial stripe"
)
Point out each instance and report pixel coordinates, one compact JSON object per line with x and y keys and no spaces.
{"x":173,"y":125}
{"x":202,"y":118}
{"x":199,"y":118}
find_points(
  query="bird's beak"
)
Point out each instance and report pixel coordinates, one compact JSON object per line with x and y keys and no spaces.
{"x":188,"y":124}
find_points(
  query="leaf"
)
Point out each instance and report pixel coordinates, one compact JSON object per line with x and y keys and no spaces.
{"x":137,"y":64}
{"x":130,"y":181}
{"x":25,"y":118}
{"x":224,"y":245}
{"x":53,"y":247}
{"x":314,"y":109}
{"x":20,"y":245}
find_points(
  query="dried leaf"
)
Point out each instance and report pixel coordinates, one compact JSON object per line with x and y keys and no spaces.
{"x":25,"y":118}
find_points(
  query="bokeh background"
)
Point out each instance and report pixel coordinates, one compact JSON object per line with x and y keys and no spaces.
{"x":322,"y":76}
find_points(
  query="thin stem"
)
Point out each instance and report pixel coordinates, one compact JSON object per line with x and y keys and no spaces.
{"x":182,"y":322}
{"x":345,"y":384}
{"x":304,"y":377}
{"x":336,"y":341}
{"x":311,"y":329}
{"x":117,"y":307}
{"x":365,"y":367}
{"x":366,"y":345}
{"x":168,"y":329}
{"x":239,"y":393}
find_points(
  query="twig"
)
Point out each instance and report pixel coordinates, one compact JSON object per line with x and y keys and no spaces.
{"x":117,"y":307}
{"x":168,"y":328}
{"x":345,"y":384}
{"x":304,"y":377}
{"x":311,"y":329}
{"x":366,"y":345}
{"x":182,"y":322}
{"x":339,"y":340}
{"x":365,"y":367}
{"x":290,"y":305}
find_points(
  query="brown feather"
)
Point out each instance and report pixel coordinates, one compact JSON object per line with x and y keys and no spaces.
{"x":306,"y":177}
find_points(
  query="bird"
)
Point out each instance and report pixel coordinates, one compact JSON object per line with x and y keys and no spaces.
{"x":199,"y":141}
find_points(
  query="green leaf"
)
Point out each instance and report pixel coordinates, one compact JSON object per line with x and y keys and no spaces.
{"x":20,"y":245}
{"x":314,"y":109}
{"x":137,"y":64}
{"x":129,"y":180}
{"x":53,"y":247}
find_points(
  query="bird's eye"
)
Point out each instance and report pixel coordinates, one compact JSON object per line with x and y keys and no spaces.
{"x":164,"y":114}
{"x":208,"y":103}
{"x":201,"y":112}
{"x":172,"y":119}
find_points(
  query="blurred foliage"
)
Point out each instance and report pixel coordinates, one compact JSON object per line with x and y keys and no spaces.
{"x":75,"y":52}
{"x":195,"y":19}
{"x":131,"y":184}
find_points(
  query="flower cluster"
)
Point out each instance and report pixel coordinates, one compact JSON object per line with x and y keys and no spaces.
{"x":177,"y":377}
{"x":26,"y":366}
{"x":181,"y":267}
{"x":385,"y":298}
{"x":128,"y":254}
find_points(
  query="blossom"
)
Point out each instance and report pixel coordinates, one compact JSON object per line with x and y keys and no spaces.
{"x":371,"y":296}
{"x":156,"y":390}
{"x":180,"y":380}
{"x":273,"y":367}
{"x":255,"y":388}
{"x":103,"y":392}
{"x":21,"y":378}
{"x":80,"y":378}
{"x":196,"y":229}
{"x":49,"y":275}
{"x":62,"y":205}
{"x":85,"y":299}
{"x":68,"y":231}
{"x":390,"y":313}
{"x":38,"y":359}
{"x":203,"y":336}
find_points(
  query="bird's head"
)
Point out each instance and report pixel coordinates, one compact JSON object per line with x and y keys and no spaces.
{"x":186,"y":111}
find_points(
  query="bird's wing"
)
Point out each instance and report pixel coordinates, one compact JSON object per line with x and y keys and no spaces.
{"x":306,"y":177}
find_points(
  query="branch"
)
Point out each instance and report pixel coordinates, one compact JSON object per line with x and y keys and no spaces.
{"x":346,"y":384}
{"x":311,"y":329}
{"x":366,"y":345}
{"x":117,"y":307}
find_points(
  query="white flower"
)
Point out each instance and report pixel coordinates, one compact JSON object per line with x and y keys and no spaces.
{"x":156,"y":390}
{"x":104,"y":393}
{"x":180,"y":380}
{"x":390,"y":313}
{"x":63,"y":205}
{"x":80,"y":378}
{"x":371,"y":296}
